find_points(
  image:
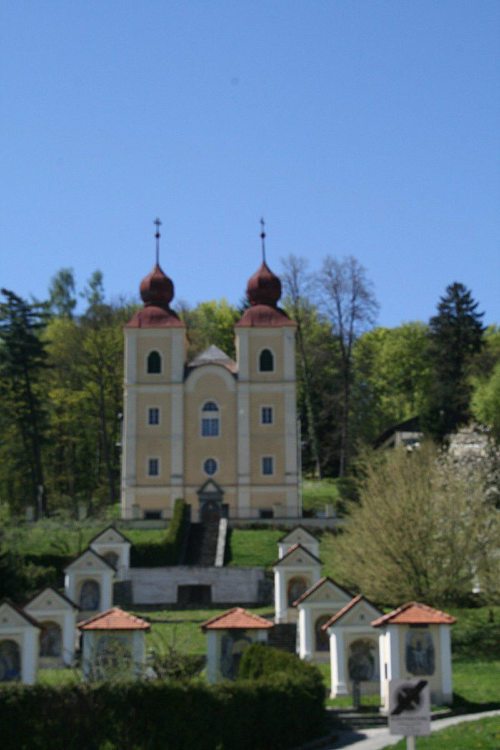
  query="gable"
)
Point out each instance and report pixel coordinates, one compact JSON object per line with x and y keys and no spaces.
{"x":299,"y":535}
{"x":10,"y":618}
{"x":90,"y":562}
{"x":327,"y":592}
{"x":361,"y":614}
{"x":50,"y":600}
{"x":109,"y":536}
{"x":298,"y":557}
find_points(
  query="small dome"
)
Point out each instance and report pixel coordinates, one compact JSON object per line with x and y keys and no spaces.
{"x":264,"y":287}
{"x":157,"y":289}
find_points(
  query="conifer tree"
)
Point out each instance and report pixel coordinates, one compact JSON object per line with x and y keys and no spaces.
{"x":455,"y":336}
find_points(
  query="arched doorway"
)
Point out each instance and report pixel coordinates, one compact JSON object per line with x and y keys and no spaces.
{"x":321,"y":639}
{"x":211,"y":497}
{"x":90,"y":595}
{"x":297,"y":586}
{"x":50,"y":640}
{"x":10,"y":661}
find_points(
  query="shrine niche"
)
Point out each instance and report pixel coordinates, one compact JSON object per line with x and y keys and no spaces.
{"x":228,"y":635}
{"x":50,"y":640}
{"x":18,"y":645}
{"x":57,"y":617}
{"x":10,"y":661}
{"x":315,"y":607}
{"x":297,"y":586}
{"x":321,"y":642}
{"x":362,"y":660}
{"x":90,"y":595}
{"x":113,"y":645}
{"x":415,"y":641}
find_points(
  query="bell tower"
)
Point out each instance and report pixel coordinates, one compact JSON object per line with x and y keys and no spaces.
{"x":268,"y":471}
{"x":152,"y":440}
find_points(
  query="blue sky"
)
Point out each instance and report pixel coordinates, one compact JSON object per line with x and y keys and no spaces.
{"x":355,"y":128}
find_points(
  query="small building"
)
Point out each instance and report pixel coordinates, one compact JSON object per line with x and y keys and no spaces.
{"x":354,"y":651}
{"x":294,"y":573}
{"x":414,"y":642}
{"x":113,"y":645}
{"x":115,"y":549}
{"x":228,"y":635}
{"x":407,"y":434}
{"x":315,"y":608}
{"x":18,"y":645}
{"x":298,"y":535}
{"x":56,"y":615}
{"x":89,"y":582}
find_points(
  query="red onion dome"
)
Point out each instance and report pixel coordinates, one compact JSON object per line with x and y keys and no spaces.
{"x":264,"y":287}
{"x":157,"y":289}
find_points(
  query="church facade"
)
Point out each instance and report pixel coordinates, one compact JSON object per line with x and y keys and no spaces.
{"x":219,"y":433}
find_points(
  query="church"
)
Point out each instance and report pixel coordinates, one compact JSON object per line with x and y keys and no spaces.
{"x":218,"y":433}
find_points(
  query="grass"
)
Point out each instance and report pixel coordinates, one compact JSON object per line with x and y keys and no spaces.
{"x":250,"y":547}
{"x":318,"y":493}
{"x":483,"y":734}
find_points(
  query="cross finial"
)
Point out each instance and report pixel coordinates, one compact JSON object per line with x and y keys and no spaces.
{"x":157,"y":223}
{"x":263,"y":239}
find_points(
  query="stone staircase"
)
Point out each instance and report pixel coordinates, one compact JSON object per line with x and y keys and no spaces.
{"x":202,"y":544}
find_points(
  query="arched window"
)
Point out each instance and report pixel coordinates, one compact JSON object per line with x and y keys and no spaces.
{"x":296,"y":587}
{"x":10,"y":661}
{"x":50,"y":639}
{"x":266,"y":361}
{"x":210,"y":423}
{"x":154,"y":363}
{"x":90,"y":596}
{"x":321,"y":639}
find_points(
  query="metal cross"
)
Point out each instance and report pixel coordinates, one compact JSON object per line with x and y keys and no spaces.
{"x":263,"y":239}
{"x":157,"y":223}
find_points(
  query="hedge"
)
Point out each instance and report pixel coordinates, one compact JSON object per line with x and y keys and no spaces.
{"x":166,"y":552}
{"x":276,"y":714}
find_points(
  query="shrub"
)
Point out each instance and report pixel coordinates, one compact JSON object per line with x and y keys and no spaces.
{"x":168,"y":551}
{"x":263,"y":662}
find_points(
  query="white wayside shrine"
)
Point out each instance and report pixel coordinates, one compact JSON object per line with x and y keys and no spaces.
{"x":415,"y":641}
{"x":354,"y":652}
{"x":301,"y":536}
{"x":88,"y":582}
{"x":219,"y":433}
{"x":294,"y":573}
{"x":18,"y":645}
{"x":56,"y":615}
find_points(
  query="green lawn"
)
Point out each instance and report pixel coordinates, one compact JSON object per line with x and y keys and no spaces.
{"x":318,"y":493}
{"x":250,"y":547}
{"x":483,"y":734}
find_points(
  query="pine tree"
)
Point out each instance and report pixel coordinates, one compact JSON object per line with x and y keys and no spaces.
{"x":455,"y":336}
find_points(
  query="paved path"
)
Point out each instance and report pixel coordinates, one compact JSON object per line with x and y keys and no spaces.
{"x":376,"y":739}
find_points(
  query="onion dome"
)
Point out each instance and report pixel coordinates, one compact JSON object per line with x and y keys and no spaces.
{"x":264,"y":287}
{"x":157,"y":289}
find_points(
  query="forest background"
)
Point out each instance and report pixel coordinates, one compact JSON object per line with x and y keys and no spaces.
{"x":61,"y":377}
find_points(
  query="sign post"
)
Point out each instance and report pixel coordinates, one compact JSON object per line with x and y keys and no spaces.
{"x":409,"y":709}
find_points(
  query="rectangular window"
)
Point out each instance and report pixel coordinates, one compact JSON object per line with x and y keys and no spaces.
{"x":153,"y":467}
{"x":153,"y":415}
{"x":266,"y":415}
{"x":210,"y":427}
{"x":267,"y":465}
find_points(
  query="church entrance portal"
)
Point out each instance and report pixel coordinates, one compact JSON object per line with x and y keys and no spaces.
{"x":212,"y":507}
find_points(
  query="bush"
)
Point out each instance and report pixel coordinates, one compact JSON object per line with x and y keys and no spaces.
{"x":263,"y":662}
{"x":168,"y":551}
{"x":262,"y":715}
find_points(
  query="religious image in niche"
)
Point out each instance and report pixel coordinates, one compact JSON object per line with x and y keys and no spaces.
{"x":420,"y":655}
{"x":361,"y":663}
{"x":232,"y":647}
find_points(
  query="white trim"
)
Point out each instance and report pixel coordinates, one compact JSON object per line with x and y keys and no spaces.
{"x":130,"y":358}
{"x":445,"y":656}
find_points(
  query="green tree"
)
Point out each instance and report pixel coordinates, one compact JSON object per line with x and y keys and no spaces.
{"x":455,"y":336}
{"x":22,"y":362}
{"x":62,"y":299}
{"x":486,"y":401}
{"x":420,"y":531}
{"x":210,"y":323}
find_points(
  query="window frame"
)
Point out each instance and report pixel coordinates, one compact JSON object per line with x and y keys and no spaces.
{"x":270,"y":412}
{"x":157,"y":411}
{"x":210,"y":425}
